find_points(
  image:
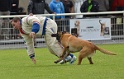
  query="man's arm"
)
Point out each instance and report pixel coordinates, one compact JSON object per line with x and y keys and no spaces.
{"x":30,"y":47}
{"x":30,"y":7}
{"x":63,"y":10}
{"x":35,"y":29}
{"x":34,"y":23}
{"x":48,"y":8}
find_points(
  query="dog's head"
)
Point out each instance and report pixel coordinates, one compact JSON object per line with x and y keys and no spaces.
{"x":58,"y":35}
{"x":77,"y":23}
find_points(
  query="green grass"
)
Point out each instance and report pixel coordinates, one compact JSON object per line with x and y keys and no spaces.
{"x":15,"y":64}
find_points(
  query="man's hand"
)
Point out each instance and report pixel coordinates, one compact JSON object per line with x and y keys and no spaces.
{"x":33,"y":60}
{"x":32,"y":35}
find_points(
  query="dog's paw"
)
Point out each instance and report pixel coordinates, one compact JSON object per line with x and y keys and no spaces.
{"x":56,"y":61}
{"x":62,"y":62}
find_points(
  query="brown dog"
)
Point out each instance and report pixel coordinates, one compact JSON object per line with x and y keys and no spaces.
{"x":73,"y":44}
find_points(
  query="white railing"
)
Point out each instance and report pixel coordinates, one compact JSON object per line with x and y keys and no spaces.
{"x":85,"y":13}
{"x":116,"y":38}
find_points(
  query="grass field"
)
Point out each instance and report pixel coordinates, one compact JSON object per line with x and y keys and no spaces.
{"x":15,"y":64}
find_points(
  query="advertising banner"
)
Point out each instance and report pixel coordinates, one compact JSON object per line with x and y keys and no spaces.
{"x":91,"y":29}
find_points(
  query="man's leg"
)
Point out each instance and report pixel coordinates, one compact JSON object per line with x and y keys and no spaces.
{"x":70,"y":58}
{"x":73,"y":59}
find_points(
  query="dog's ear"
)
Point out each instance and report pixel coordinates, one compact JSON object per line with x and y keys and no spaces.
{"x":64,"y":32}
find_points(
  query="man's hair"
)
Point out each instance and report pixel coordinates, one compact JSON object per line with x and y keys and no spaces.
{"x":15,"y":19}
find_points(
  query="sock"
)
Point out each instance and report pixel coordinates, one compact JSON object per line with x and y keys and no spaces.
{"x":71,"y":55}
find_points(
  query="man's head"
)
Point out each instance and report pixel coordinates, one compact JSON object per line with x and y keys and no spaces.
{"x":55,"y":0}
{"x":16,"y":22}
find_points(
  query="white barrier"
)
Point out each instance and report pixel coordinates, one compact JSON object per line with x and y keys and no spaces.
{"x":117,"y":29}
{"x":85,"y":13}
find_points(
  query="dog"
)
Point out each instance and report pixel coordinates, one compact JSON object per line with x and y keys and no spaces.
{"x":73,"y":44}
{"x":102,"y":28}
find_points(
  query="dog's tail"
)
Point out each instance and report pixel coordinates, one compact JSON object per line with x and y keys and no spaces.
{"x":104,"y":51}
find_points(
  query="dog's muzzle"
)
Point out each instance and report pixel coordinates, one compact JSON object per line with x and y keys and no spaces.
{"x":54,"y":35}
{"x":57,"y":36}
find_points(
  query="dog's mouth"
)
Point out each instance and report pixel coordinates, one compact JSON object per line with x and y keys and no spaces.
{"x":54,"y":35}
{"x":57,"y":36}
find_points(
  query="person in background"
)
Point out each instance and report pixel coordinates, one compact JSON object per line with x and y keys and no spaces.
{"x":14,"y":7}
{"x":110,"y":4}
{"x":5,"y":8}
{"x":57,"y":7}
{"x":103,"y":5}
{"x":38,"y":7}
{"x":77,"y":5}
{"x":30,"y":26}
{"x":68,"y":6}
{"x":117,"y":5}
{"x":89,"y":6}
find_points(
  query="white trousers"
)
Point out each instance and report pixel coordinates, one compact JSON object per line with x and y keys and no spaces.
{"x":53,"y":45}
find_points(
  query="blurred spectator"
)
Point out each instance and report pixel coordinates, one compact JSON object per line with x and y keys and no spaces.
{"x":21,"y":10}
{"x":118,"y":5}
{"x":77,"y":5}
{"x":14,"y":11}
{"x":57,"y":7}
{"x":68,"y":6}
{"x":110,"y":4}
{"x":38,"y":7}
{"x":14,"y":8}
{"x":5,"y":8}
{"x":89,"y":6}
{"x":103,"y":5}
